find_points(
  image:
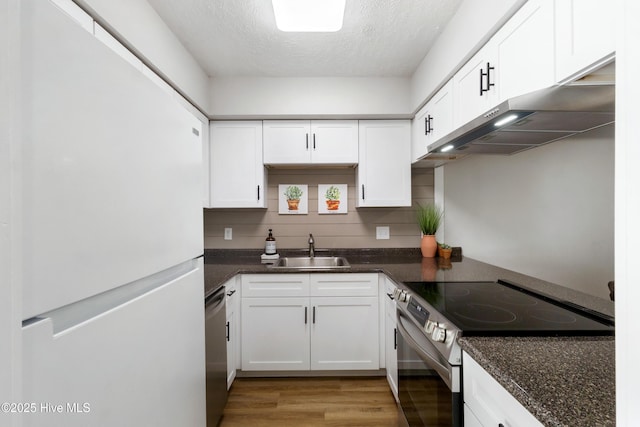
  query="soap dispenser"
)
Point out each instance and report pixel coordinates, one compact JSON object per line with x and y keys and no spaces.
{"x":270,"y":244}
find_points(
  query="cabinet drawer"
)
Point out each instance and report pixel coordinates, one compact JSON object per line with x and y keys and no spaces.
{"x":275,"y":285}
{"x":489,"y":401}
{"x":344,"y":284}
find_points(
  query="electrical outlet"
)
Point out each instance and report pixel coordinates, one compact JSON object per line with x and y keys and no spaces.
{"x":228,"y":233}
{"x":382,"y":233}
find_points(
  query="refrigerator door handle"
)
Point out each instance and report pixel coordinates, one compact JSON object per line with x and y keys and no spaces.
{"x":74,"y":314}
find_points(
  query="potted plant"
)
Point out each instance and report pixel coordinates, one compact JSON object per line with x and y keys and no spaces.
{"x":444,"y":250}
{"x":293,"y":194}
{"x":333,"y":198}
{"x":428,"y":217}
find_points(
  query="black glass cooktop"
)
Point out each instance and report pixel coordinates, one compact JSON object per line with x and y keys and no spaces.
{"x":503,"y":308}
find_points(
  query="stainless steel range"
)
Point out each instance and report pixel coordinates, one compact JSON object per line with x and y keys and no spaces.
{"x":431,"y":316}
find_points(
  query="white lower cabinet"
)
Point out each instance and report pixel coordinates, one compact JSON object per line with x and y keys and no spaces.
{"x":391,"y":342}
{"x":285,"y":326}
{"x":344,"y":333}
{"x":488,"y":403}
{"x":275,"y":334}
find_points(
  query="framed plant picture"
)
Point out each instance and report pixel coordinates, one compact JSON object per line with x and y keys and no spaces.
{"x":293,"y":199}
{"x":332,"y":199}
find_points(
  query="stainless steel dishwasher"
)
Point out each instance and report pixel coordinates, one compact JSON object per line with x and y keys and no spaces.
{"x":216,"y":354}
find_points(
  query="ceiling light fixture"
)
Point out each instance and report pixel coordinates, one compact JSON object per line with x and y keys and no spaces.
{"x":309,"y":15}
{"x":446,"y":148}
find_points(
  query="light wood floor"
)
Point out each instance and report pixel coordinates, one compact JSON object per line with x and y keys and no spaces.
{"x":310,"y":402}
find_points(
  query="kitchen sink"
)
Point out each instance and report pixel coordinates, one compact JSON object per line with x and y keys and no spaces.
{"x":315,"y":263}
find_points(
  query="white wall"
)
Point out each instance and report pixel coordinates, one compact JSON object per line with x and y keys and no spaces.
{"x":10,"y":308}
{"x":473,"y":24}
{"x":627,"y":207}
{"x":263,"y":97}
{"x":139,"y":27}
{"x":546,"y":212}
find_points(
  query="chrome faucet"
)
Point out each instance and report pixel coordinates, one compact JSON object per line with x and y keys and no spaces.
{"x":311,"y":246}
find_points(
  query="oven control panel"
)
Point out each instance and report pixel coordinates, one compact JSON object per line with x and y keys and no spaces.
{"x":418,"y":312}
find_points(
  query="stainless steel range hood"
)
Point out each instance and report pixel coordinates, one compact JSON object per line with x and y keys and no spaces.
{"x":531,"y":120}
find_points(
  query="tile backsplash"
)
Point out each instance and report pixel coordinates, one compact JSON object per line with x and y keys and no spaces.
{"x":355,"y":229}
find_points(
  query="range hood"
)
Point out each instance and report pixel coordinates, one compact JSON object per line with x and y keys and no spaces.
{"x":531,"y":120}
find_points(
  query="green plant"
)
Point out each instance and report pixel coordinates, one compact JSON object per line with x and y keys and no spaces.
{"x":332,"y":193}
{"x":444,"y":246}
{"x":293,"y":192}
{"x":429,"y":217}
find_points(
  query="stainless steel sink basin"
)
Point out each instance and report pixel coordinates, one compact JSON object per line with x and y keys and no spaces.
{"x":315,"y":263}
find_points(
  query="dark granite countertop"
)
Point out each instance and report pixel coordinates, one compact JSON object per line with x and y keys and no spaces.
{"x":562,"y":381}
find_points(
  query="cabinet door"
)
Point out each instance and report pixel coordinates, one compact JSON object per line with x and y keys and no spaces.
{"x":334,"y":142}
{"x":384,"y":169}
{"x":585,"y":37}
{"x":233,"y":329}
{"x":344,"y":334}
{"x":275,"y":334}
{"x":432,"y":122}
{"x":474,"y":91}
{"x":236,"y":170}
{"x":391,"y":343}
{"x":524,"y":48}
{"x":287,"y":142}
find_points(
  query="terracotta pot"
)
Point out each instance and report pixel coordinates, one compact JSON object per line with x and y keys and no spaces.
{"x":445,"y":253}
{"x":293,"y":204}
{"x":333,"y":205}
{"x":428,"y":246}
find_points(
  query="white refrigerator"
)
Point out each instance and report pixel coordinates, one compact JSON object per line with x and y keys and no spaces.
{"x":113,"y":312}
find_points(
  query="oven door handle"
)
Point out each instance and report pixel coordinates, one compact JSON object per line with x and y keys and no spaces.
{"x":429,"y":356}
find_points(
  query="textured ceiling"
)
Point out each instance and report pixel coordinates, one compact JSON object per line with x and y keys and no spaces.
{"x":239,"y":38}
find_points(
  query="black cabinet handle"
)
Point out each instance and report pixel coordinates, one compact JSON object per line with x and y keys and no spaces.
{"x":258,"y":192}
{"x":314,"y":141}
{"x":228,"y":332}
{"x":430,"y":126}
{"x":314,"y":315}
{"x":390,"y":295}
{"x":305,"y":315}
{"x":307,"y":140}
{"x":362,"y":191}
{"x":395,"y":339}
{"x":486,"y":74}
{"x":231,"y":292}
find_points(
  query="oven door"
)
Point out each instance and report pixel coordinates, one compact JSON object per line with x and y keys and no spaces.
{"x":428,"y":386}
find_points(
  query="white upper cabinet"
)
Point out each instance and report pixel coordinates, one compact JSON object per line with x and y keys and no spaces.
{"x":384,"y":170}
{"x":433,"y":122}
{"x":238,"y":177}
{"x":310,"y":142}
{"x":518,"y":59}
{"x":474,"y":86}
{"x":524,"y":51}
{"x":585,"y":37}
